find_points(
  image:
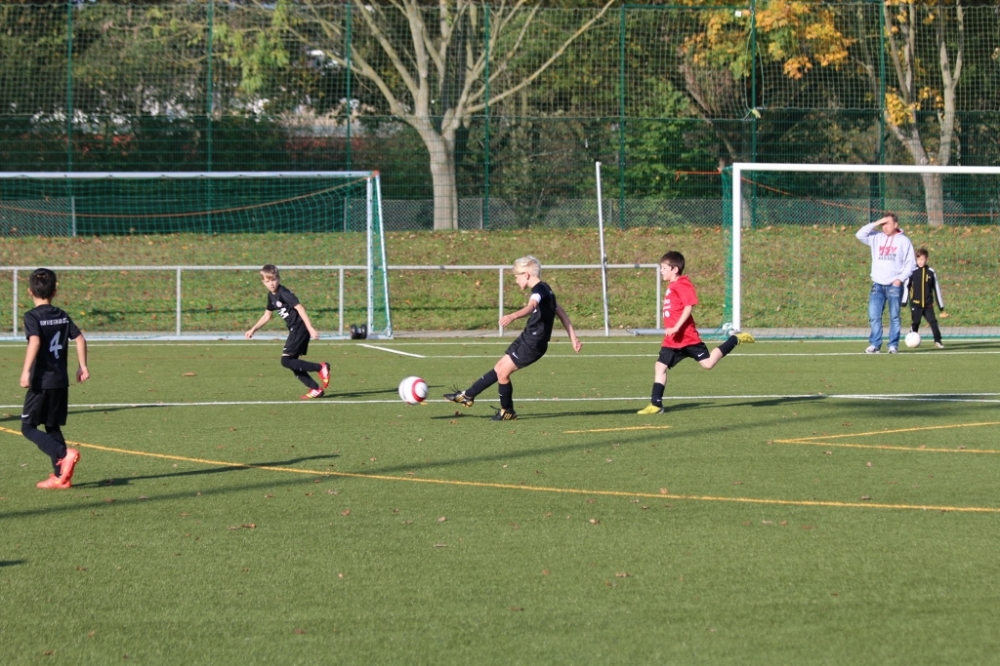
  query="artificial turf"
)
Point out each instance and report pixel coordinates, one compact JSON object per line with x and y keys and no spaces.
{"x":800,"y":503}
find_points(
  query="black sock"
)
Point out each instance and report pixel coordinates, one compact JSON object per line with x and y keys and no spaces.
{"x":301,"y":370}
{"x":294,"y":364}
{"x":729,"y":345}
{"x":506,"y":396}
{"x":52,"y":446}
{"x":309,"y":382}
{"x":657,"y":397}
{"x":481,"y":384}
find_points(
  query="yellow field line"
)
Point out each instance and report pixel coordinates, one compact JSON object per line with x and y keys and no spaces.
{"x":823,"y":440}
{"x":576,"y":432}
{"x":799,"y":440}
{"x":541,"y":489}
{"x":883,"y":447}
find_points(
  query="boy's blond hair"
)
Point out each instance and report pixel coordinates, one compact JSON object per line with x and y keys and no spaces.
{"x":529,"y":265}
{"x":270,"y":270}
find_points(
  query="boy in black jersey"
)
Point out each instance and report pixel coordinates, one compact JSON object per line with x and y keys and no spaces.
{"x":921,"y":289}
{"x":48,"y":330}
{"x":530,"y":346}
{"x":300,"y":331}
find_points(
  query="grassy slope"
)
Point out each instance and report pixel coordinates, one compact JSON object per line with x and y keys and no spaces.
{"x":793,"y":276}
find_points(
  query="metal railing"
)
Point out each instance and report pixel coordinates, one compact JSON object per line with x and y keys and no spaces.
{"x":179,"y":271}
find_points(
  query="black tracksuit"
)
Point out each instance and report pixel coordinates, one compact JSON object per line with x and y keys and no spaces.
{"x":922,"y":289}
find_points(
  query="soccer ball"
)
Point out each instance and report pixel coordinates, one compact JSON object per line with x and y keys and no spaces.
{"x":912,"y":339}
{"x":413,"y":390}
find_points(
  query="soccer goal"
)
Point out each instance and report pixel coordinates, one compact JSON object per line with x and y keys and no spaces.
{"x":209,"y":203}
{"x":797,"y":271}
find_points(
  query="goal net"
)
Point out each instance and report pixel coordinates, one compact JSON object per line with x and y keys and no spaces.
{"x":796,"y":269}
{"x":329,"y":204}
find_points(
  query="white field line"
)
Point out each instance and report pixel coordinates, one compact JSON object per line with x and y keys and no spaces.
{"x":928,"y":397}
{"x":392,"y":351}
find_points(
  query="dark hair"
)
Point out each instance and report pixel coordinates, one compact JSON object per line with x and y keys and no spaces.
{"x":893,"y":216}
{"x":42,"y":283}
{"x":675,"y":259}
{"x":922,"y":252}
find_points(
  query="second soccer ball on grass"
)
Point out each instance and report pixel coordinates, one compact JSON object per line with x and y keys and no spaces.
{"x":912,"y":339}
{"x":413,"y":390}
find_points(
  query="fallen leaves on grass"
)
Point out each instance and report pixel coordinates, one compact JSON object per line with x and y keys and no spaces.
{"x":244,"y":526}
{"x":189,"y":374}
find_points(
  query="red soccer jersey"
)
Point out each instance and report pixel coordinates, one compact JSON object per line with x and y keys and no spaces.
{"x":680,"y":294}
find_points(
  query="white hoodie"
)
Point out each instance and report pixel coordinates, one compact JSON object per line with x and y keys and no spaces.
{"x":892,"y":256}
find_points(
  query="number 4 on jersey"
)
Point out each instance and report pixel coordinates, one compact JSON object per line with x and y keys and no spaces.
{"x":54,"y":346}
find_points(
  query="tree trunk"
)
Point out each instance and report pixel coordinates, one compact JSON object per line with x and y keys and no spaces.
{"x":442,"y":161}
{"x":934,"y":198}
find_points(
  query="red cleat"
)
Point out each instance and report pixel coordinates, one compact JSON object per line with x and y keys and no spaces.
{"x":53,"y":482}
{"x":67,"y":465}
{"x":313,"y":393}
{"x":324,"y":374}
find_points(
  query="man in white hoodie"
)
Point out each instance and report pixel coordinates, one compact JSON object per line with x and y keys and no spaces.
{"x":892,"y":264}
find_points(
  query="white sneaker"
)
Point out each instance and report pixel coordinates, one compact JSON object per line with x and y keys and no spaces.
{"x":871,"y":349}
{"x":938,"y":345}
{"x":893,"y":350}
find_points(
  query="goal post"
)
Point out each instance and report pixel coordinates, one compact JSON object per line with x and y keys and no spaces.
{"x":796,"y":269}
{"x":210,"y":203}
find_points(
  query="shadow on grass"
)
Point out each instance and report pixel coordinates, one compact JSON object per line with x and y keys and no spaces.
{"x":125,"y":481}
{"x":12,"y":563}
{"x":670,"y":408}
{"x":860,"y":409}
{"x":361,"y":394}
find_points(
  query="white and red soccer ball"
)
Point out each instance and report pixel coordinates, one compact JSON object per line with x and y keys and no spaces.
{"x":413,"y":390}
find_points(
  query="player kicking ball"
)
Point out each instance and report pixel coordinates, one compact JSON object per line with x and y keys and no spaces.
{"x":530,"y":346}
{"x":300,"y":331}
{"x":680,"y":336}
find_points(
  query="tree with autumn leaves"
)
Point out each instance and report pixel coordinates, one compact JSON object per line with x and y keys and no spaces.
{"x":924,"y":53}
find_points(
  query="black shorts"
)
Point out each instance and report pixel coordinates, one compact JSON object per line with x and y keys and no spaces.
{"x":297,"y":344}
{"x":47,"y":406}
{"x":524,"y":354}
{"x":671,"y":356}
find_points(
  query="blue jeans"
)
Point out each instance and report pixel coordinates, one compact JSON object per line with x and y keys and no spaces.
{"x":879,"y":296}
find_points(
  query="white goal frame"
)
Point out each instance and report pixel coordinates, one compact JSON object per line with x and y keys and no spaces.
{"x":375,"y":261}
{"x":739,"y":168}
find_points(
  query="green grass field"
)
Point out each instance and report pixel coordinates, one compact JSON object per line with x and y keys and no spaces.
{"x":802,"y":503}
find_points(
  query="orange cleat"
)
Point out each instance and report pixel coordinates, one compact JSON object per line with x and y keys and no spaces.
{"x":324,"y":374}
{"x":313,"y":393}
{"x":67,"y":465}
{"x":53,"y":482}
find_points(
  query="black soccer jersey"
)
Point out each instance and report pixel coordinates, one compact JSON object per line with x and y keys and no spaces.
{"x":54,"y":329}
{"x":538,"y":330}
{"x":284,"y":303}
